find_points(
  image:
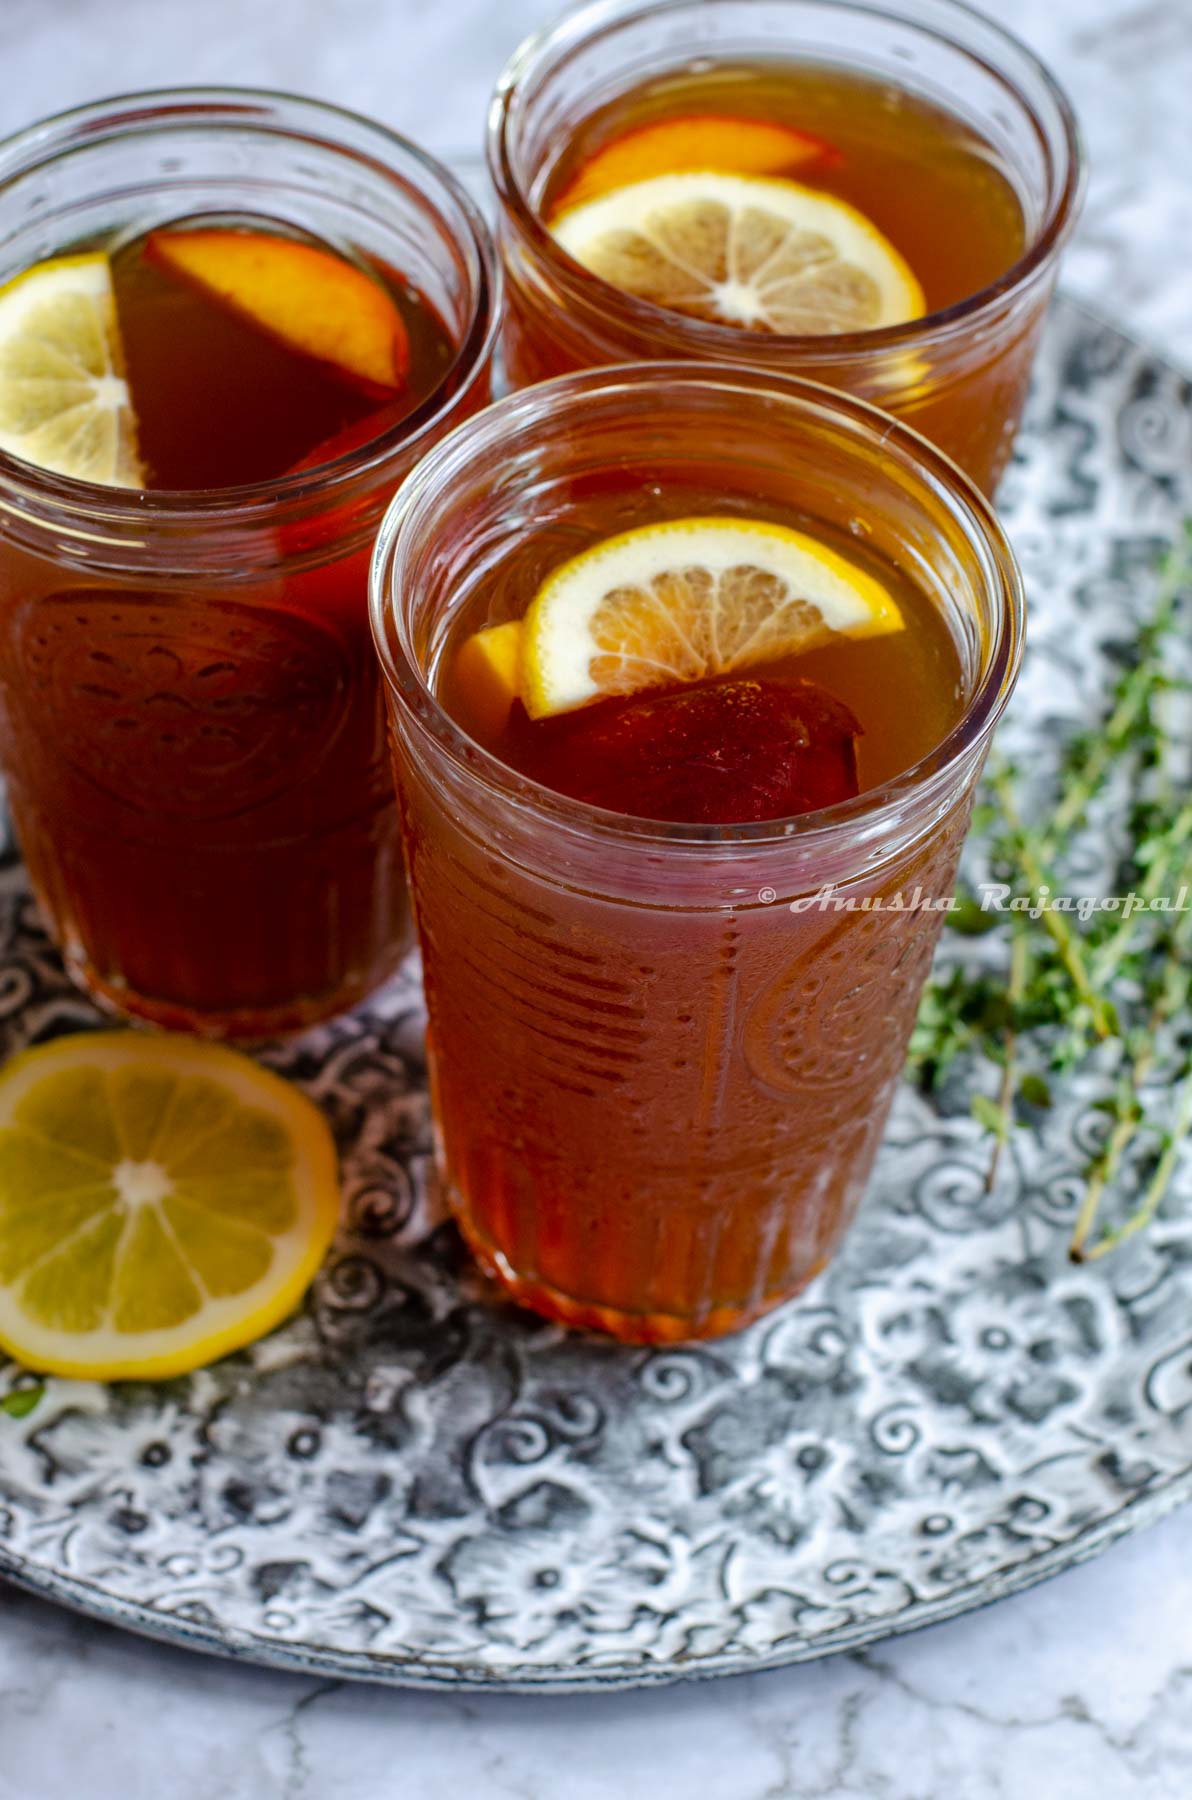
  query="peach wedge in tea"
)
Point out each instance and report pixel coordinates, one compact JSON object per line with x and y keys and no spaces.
{"x":807,"y":190}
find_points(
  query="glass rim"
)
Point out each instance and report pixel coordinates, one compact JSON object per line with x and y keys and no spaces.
{"x":150,"y":109}
{"x":499,"y":423}
{"x":600,"y":18}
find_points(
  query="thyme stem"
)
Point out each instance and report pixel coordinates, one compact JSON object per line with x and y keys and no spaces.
{"x":1160,"y":1181}
{"x":1104,"y":979}
{"x":1015,"y":992}
{"x":1055,"y":924}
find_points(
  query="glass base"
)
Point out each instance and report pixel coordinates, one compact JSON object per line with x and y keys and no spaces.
{"x":246,"y":1025}
{"x":628,"y":1327}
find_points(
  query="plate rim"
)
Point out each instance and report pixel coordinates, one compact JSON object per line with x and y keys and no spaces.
{"x":381,"y":1669}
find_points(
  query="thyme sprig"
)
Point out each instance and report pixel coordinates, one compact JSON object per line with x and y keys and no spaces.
{"x":1060,"y":988}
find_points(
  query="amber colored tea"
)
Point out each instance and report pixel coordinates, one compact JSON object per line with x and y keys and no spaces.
{"x":903,"y":691}
{"x":198,"y":775}
{"x":928,"y":183}
{"x":673,"y":654}
{"x":653,"y":1115}
{"x":791,"y":190}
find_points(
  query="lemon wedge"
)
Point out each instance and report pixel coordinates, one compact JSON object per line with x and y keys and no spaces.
{"x":488,"y":667}
{"x":764,"y":254}
{"x":64,"y":401}
{"x":163,"y":1201}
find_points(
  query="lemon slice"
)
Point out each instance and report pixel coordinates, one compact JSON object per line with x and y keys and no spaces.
{"x":686,"y":599}
{"x":163,"y":1201}
{"x":64,"y":402}
{"x":765,"y":254}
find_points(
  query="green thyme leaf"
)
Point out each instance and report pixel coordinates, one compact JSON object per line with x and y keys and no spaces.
{"x":1067,"y":984}
{"x":988,"y":1113}
{"x":1034,"y":1090}
{"x":21,"y":1402}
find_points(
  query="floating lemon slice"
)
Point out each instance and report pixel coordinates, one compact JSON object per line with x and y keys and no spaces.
{"x":674,"y":602}
{"x":163,"y":1201}
{"x":64,"y":401}
{"x":765,"y":254}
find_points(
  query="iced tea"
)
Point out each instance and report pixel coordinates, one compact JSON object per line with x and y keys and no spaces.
{"x":871,"y":199}
{"x":191,"y":721}
{"x":661,"y":1066}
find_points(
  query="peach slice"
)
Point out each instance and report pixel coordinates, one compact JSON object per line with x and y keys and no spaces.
{"x":314,"y":301}
{"x":739,"y":146}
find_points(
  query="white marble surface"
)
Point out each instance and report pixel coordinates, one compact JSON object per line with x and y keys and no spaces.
{"x":1081,"y":1690}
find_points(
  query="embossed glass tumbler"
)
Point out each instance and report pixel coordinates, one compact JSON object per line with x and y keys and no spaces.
{"x":661,"y":1057}
{"x":191,"y":720}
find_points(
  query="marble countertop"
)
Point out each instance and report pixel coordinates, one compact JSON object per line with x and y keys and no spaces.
{"x":1080,"y":1690}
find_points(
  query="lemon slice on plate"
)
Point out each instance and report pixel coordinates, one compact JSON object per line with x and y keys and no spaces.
{"x":64,"y":401}
{"x":761,"y":253}
{"x":674,"y":602}
{"x":163,"y":1201}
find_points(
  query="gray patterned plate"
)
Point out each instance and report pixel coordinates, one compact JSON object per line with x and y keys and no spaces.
{"x":414,"y":1483}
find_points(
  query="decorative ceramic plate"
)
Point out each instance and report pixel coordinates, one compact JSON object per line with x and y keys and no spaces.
{"x":415,"y":1483}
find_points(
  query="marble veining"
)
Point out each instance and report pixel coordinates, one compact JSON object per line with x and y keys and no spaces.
{"x":1079,"y":1689}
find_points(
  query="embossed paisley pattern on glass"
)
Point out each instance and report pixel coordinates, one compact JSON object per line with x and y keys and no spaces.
{"x":219,"y":705}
